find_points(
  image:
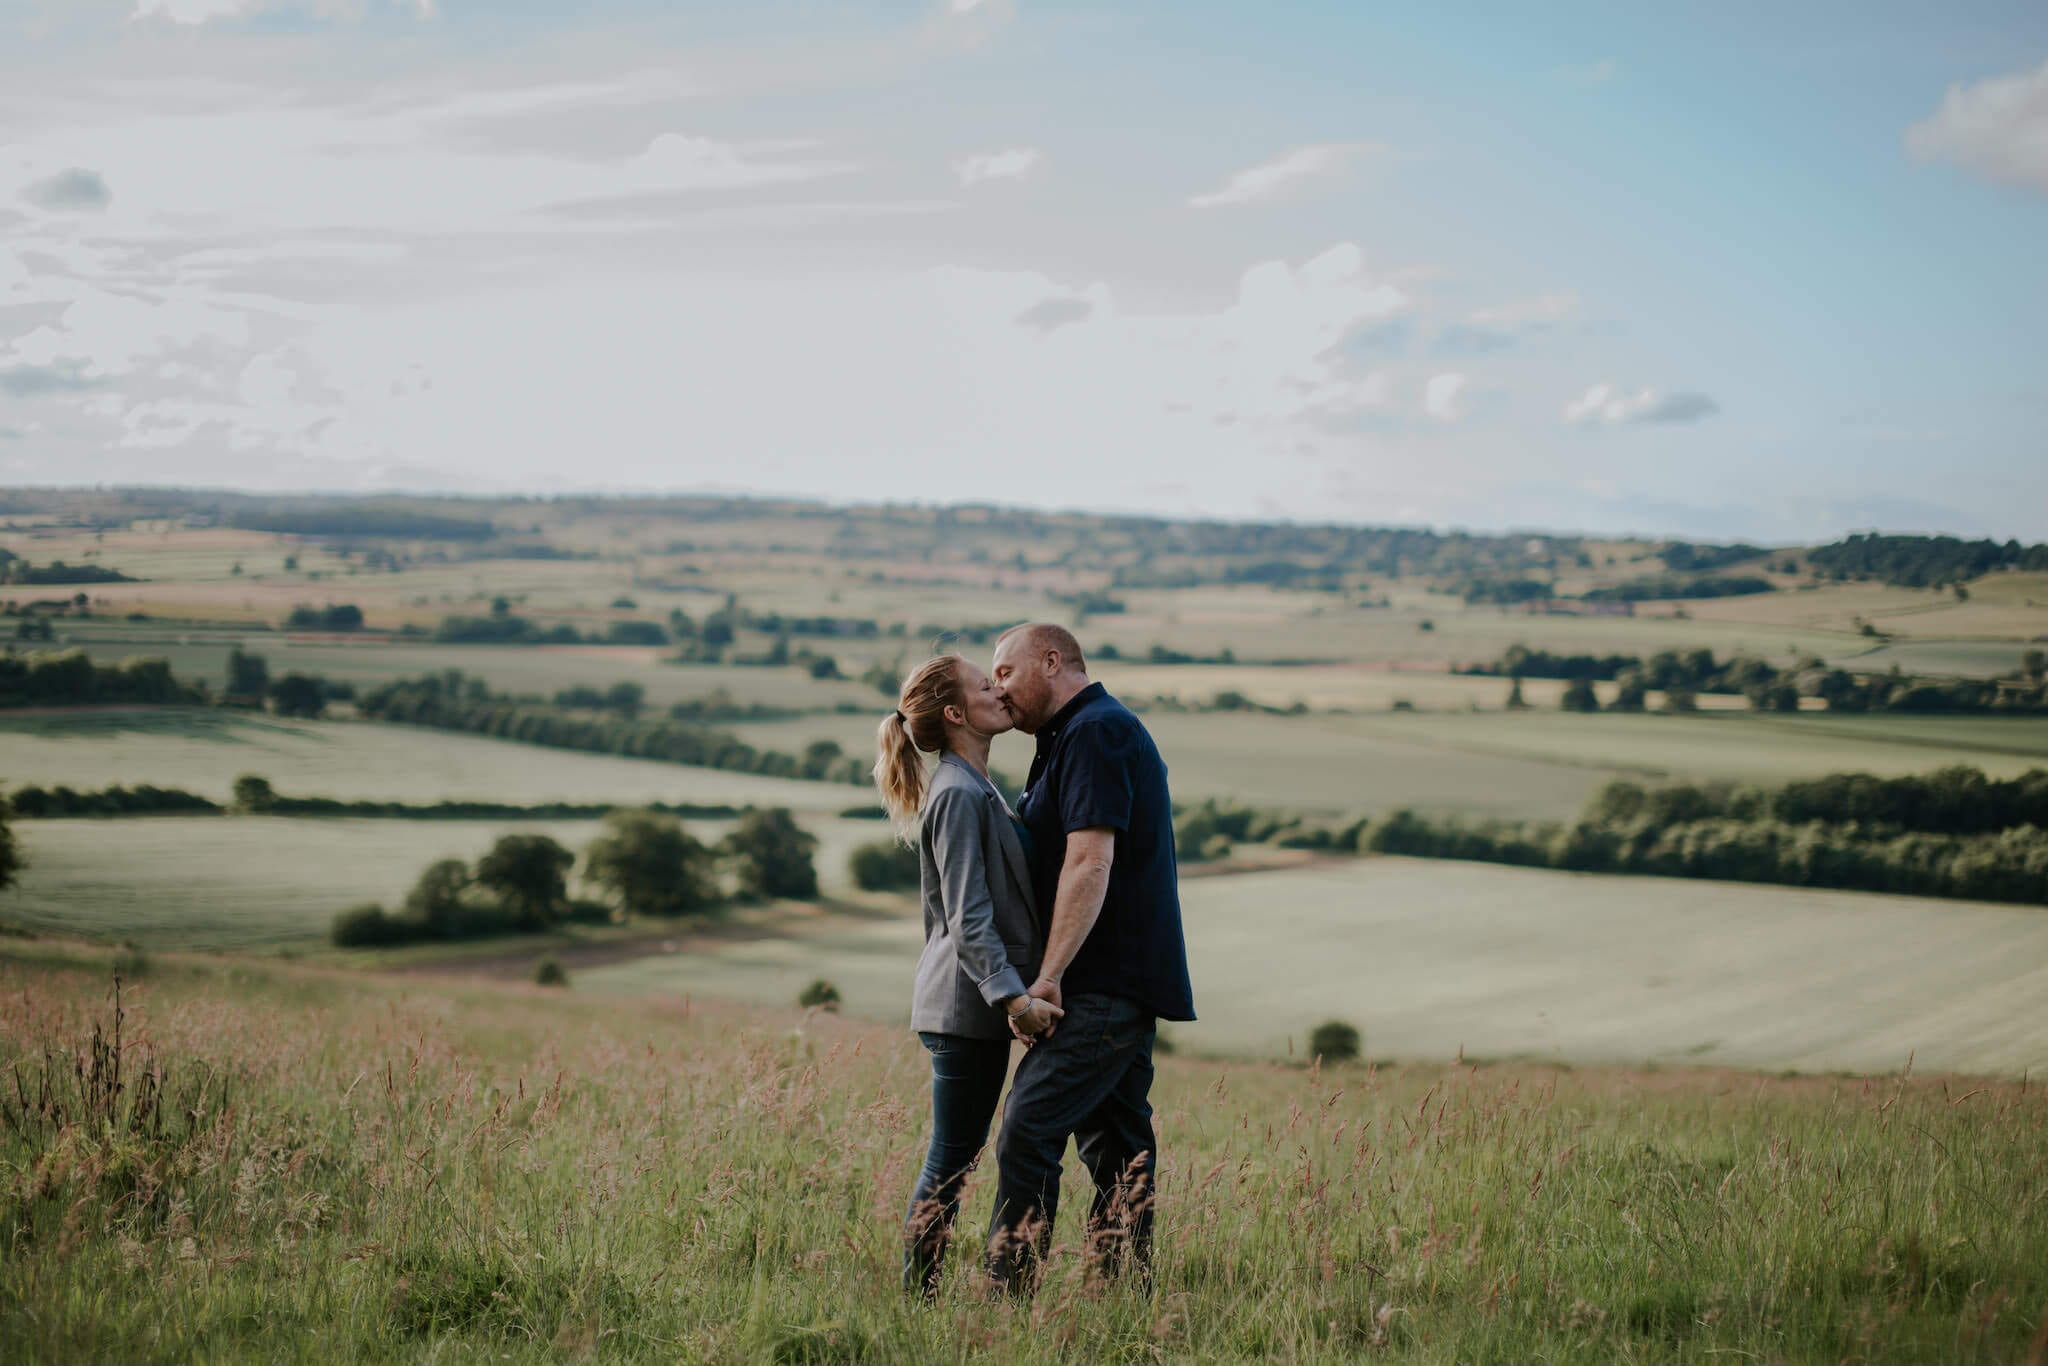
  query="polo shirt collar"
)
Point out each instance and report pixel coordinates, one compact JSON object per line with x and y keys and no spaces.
{"x":1065,"y":714}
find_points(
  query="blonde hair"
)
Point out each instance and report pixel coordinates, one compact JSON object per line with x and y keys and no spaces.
{"x":918,"y":723}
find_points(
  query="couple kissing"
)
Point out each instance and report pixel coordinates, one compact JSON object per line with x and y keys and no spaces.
{"x":1056,"y":923}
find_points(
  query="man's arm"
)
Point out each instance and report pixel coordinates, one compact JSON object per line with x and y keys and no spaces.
{"x":1084,"y":878}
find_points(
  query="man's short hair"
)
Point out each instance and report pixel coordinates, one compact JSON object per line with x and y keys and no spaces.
{"x":1040,"y":636}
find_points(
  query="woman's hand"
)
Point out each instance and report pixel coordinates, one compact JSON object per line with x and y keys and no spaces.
{"x":1032,"y":1019}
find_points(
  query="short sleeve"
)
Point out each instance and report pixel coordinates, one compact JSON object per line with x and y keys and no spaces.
{"x":1097,"y":779}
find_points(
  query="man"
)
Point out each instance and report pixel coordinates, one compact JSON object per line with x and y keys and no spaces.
{"x":1101,"y":826}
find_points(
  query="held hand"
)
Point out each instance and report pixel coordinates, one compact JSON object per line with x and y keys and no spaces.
{"x":1046,"y":989}
{"x":1035,"y":1021}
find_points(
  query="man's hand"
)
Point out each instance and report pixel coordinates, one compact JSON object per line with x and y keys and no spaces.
{"x":1046,"y":989}
{"x":1035,"y":1021}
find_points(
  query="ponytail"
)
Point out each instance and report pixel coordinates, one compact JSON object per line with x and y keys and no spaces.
{"x":917,"y":724}
{"x":899,"y":775}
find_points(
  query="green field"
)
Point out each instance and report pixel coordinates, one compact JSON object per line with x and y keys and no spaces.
{"x":264,"y":883}
{"x":1432,"y":958}
{"x":428,"y":1171}
{"x":1536,"y":764}
{"x":205,"y":751}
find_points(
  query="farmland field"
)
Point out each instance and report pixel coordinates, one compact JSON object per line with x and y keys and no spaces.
{"x":205,"y":751}
{"x":264,"y":882}
{"x":1537,"y":764}
{"x":1430,"y":958}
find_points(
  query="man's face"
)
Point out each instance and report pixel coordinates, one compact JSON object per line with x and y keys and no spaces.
{"x":1023,"y":679}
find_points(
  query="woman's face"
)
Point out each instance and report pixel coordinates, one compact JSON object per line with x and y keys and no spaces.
{"x":984,"y":707}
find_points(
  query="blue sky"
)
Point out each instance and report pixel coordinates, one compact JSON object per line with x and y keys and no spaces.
{"x":1742,"y":271}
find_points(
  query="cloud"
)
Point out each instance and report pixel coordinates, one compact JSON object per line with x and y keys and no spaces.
{"x":36,"y":381}
{"x":73,"y":188}
{"x":1440,"y":396}
{"x":1502,"y":326}
{"x":193,"y":12}
{"x":1012,"y":163}
{"x":1606,"y":405}
{"x":1997,"y":128}
{"x":1048,"y":315}
{"x":1282,"y":173}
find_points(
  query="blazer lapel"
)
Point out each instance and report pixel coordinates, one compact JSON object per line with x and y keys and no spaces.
{"x":1013,"y":849}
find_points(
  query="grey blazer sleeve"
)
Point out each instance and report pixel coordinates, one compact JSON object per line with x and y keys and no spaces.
{"x":953,"y":822}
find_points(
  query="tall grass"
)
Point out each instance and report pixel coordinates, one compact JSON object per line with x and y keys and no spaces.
{"x":462,"y":1173}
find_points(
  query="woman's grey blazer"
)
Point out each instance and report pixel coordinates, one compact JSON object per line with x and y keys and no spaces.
{"x":982,"y":938}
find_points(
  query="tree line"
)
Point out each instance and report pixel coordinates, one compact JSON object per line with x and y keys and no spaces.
{"x":69,"y":678}
{"x":1679,"y":674}
{"x":1924,"y":561}
{"x":254,"y":796}
{"x":644,"y":864}
{"x":1951,"y":834}
{"x":449,"y":701}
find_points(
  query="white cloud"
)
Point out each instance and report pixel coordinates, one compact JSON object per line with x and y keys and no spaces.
{"x":1607,"y":405}
{"x":1012,"y":163}
{"x":1996,"y":127}
{"x":1282,"y":173}
{"x":1440,"y":396}
{"x":1544,"y":310}
{"x":206,"y":11}
{"x":192,"y":11}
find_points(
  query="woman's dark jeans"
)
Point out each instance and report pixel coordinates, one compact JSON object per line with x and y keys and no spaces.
{"x":967,"y":1081}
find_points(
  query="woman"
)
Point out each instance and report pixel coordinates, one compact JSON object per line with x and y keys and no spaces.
{"x":982,"y":941}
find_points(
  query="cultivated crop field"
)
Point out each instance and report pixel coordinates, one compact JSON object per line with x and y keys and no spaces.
{"x":1535,"y":764}
{"x":1430,"y":959}
{"x":378,"y":1169}
{"x":272,"y":882}
{"x":205,"y":751}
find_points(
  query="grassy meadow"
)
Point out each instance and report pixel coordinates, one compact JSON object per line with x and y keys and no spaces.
{"x":205,"y":751}
{"x":269,"y":883}
{"x":358,"y":1168}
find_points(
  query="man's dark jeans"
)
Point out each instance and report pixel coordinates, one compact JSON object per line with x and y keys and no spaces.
{"x":967,"y":1079}
{"x":1092,"y":1081}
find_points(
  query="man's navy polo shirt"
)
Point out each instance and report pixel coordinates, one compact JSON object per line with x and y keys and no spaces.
{"x":1097,"y":766}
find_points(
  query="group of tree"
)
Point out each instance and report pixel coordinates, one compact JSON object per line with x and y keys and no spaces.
{"x":1923,"y":561}
{"x":1950,"y":834}
{"x":1681,"y":674}
{"x":1682,"y":557}
{"x":1671,"y":587}
{"x":15,"y":570}
{"x":449,"y":701}
{"x":336,"y":617}
{"x":377,"y":519}
{"x":644,"y":864}
{"x":69,"y":678}
{"x":303,"y":696}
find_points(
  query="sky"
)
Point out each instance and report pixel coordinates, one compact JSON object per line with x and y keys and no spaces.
{"x":1731,"y":270}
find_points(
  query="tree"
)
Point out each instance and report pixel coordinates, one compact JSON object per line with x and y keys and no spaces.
{"x":820,"y":756}
{"x":772,"y":855}
{"x":1516,"y":702}
{"x":651,"y":865}
{"x":1632,"y":695}
{"x":2034,"y":664}
{"x":529,"y":873}
{"x":253,"y":795}
{"x":10,"y":853}
{"x":298,"y":695}
{"x":436,"y":899}
{"x":884,"y":865}
{"x":1578,"y":696}
{"x":626,"y":699}
{"x":248,"y":675}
